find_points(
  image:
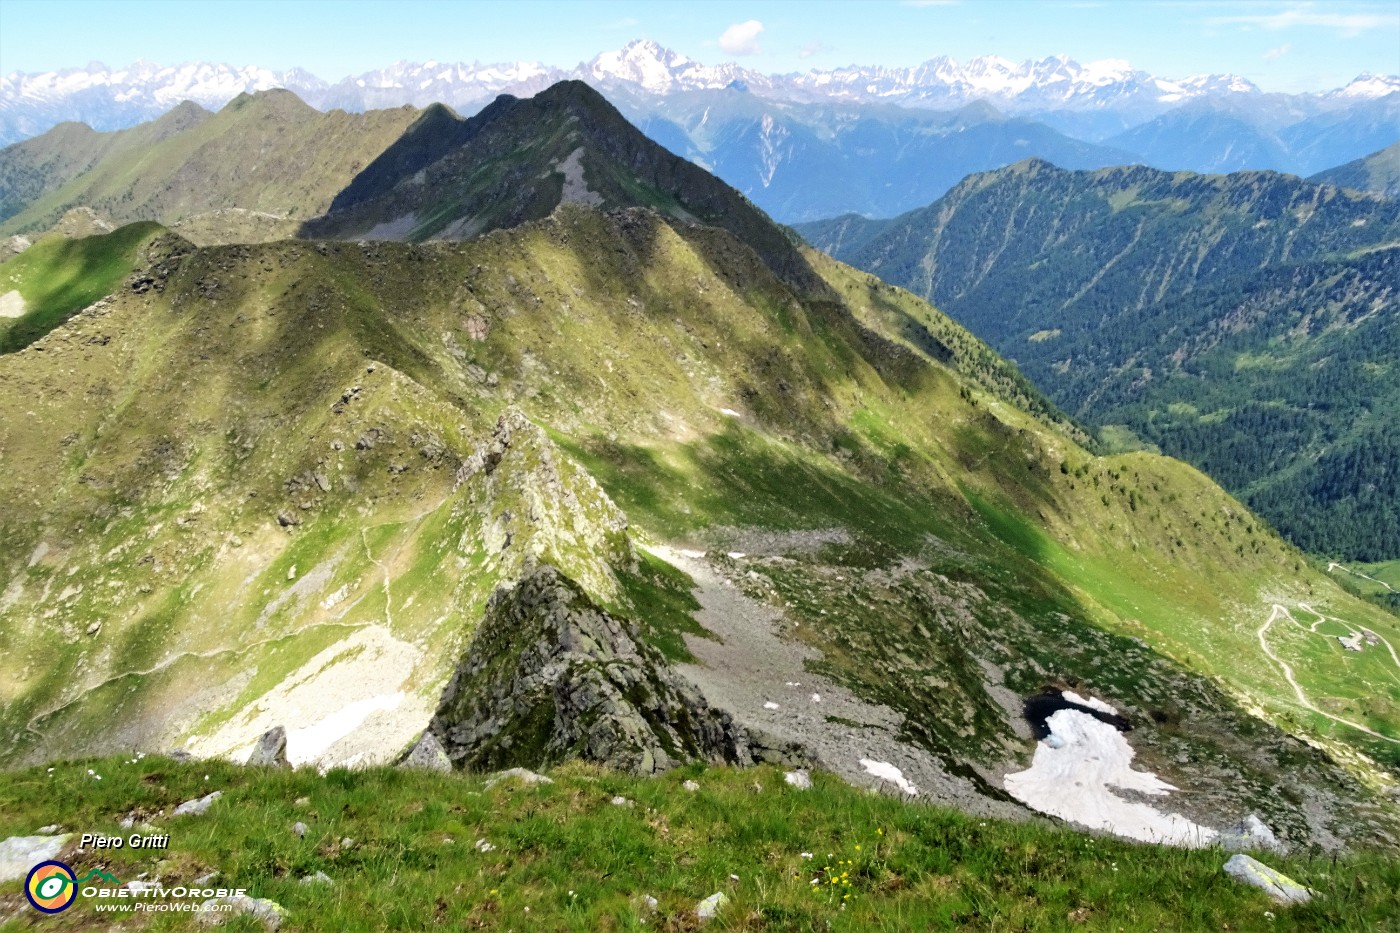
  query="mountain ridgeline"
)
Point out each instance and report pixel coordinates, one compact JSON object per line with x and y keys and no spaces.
{"x":517,"y":160}
{"x":553,"y":446}
{"x":1247,"y":322}
{"x":1378,"y":173}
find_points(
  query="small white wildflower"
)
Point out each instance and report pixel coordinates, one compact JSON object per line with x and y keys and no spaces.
{"x":89,"y":771}
{"x":98,"y":776}
{"x":51,"y":771}
{"x":807,"y":855}
{"x":1268,"y":915}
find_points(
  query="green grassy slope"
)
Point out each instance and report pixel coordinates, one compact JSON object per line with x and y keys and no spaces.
{"x":1378,"y":173}
{"x":152,"y":596}
{"x":1245,"y":322}
{"x":400,"y":851}
{"x":36,"y":166}
{"x":266,"y":153}
{"x":57,"y":277}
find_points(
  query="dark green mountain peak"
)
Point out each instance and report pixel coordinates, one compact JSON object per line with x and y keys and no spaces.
{"x":519,"y":159}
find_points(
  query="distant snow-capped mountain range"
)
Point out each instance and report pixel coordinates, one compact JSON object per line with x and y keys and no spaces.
{"x":112,"y":98}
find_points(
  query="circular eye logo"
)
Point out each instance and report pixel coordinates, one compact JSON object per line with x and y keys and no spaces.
{"x":51,"y":887}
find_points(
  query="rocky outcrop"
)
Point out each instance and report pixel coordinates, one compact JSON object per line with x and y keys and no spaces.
{"x":271,"y":749}
{"x":426,"y":755}
{"x":551,"y":676}
{"x":533,"y":505}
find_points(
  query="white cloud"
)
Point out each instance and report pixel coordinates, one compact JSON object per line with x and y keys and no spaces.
{"x":627,"y":22}
{"x":742,"y":38}
{"x":1279,"y":52}
{"x":813,"y":48}
{"x":1347,"y":24}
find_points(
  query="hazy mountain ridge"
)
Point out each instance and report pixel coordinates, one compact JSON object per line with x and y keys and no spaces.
{"x":1049,"y":84}
{"x":1104,"y":285}
{"x":1378,"y":173}
{"x":809,"y":145}
{"x":267,"y":153}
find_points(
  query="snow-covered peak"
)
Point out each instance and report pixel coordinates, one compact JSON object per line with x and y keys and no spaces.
{"x":660,"y":70}
{"x":110,"y":98}
{"x":1369,"y":87}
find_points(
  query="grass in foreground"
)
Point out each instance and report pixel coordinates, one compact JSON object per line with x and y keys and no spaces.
{"x":402,"y":851}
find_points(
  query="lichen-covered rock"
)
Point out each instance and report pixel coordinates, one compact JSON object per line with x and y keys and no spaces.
{"x":427,"y":755}
{"x":18,"y":854}
{"x":550,"y":676}
{"x":1276,"y":884}
{"x":710,"y":907}
{"x":270,"y":913}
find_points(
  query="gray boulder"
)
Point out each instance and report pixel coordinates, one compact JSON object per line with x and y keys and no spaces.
{"x":710,"y":907}
{"x":271,"y":750}
{"x":427,"y":754}
{"x":198,"y":806}
{"x":799,"y":779}
{"x":1276,"y":884}
{"x":524,"y":775}
{"x":18,"y":854}
{"x":269,"y":912}
{"x":1249,"y":833}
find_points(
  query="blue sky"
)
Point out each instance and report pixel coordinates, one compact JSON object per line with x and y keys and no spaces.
{"x":1286,"y":46}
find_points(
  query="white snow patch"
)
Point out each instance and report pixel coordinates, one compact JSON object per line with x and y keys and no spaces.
{"x":1091,"y":702}
{"x":360,"y":696}
{"x":888,"y":772}
{"x":1072,"y":774}
{"x":771,"y":705}
{"x":730,"y":412}
{"x":12,"y":304}
{"x":309,"y":742}
{"x":693,"y":555}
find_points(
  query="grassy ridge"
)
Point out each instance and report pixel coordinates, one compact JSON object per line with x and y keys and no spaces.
{"x":566,"y":858}
{"x":58,"y":277}
{"x":702,"y":393}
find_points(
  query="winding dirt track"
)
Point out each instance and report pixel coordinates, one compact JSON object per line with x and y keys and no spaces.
{"x":1278,"y":611}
